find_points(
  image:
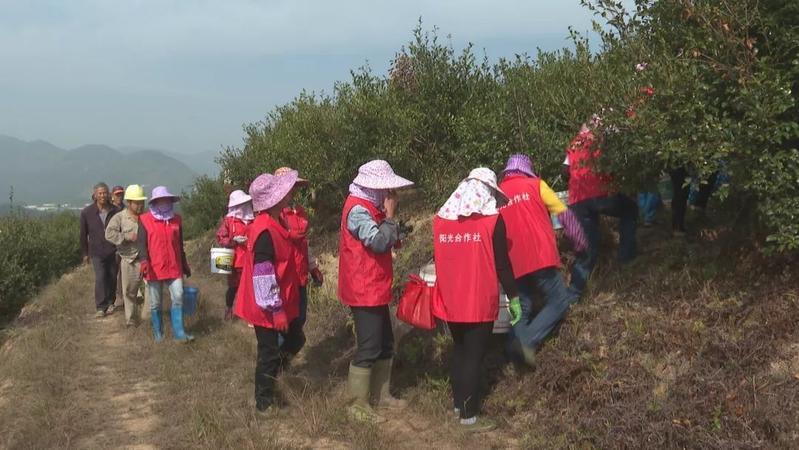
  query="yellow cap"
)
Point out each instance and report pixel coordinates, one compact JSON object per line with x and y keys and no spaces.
{"x":134,"y":192}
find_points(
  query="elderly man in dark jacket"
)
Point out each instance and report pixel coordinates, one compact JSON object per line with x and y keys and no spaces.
{"x":97,"y":250}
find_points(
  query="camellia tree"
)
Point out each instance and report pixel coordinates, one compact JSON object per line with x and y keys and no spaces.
{"x":724,"y":76}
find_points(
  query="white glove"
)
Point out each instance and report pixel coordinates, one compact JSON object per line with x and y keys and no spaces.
{"x":240,"y":239}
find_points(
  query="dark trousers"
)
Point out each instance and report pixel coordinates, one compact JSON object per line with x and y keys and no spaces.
{"x":271,"y":357}
{"x":470,"y":346}
{"x":105,"y":280}
{"x":679,"y":201}
{"x":233,"y":281}
{"x":373,"y":334}
{"x":589,"y":212}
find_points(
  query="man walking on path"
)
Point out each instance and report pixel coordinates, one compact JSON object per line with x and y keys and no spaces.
{"x":97,"y":250}
{"x":116,"y":199}
{"x":122,"y":231}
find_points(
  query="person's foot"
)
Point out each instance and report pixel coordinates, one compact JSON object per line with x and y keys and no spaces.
{"x":228,"y":313}
{"x":678,"y":233}
{"x":99,"y":314}
{"x":110,"y":310}
{"x":365,"y":414}
{"x":129,"y":323}
{"x":477,"y":425}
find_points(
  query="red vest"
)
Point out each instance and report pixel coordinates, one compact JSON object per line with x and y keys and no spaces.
{"x":584,"y":182}
{"x":528,"y":226}
{"x":237,"y":227}
{"x":297,"y":222}
{"x":364,"y":277}
{"x":466,"y":274}
{"x":163,"y":247}
{"x":285,"y":272}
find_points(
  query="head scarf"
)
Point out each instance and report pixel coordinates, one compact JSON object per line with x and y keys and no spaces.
{"x":163,"y":211}
{"x":375,"y":196}
{"x":471,"y":197}
{"x":242,"y":212}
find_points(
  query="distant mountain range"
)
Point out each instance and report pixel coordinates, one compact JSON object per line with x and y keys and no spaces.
{"x":40,"y":172}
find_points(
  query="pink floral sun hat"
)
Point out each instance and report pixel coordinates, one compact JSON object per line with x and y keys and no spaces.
{"x":378,"y":174}
{"x":268,"y":190}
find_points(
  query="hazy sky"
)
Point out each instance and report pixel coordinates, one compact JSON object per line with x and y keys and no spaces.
{"x":185,"y":75}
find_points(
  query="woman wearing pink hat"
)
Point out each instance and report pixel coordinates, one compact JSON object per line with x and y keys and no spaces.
{"x":294,"y":218}
{"x":268,"y":297}
{"x":163,"y":260}
{"x":368,"y":233}
{"x":232,"y":233}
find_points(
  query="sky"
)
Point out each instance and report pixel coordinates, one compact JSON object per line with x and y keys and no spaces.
{"x":185,"y":75}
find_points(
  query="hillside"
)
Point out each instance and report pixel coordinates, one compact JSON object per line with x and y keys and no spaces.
{"x":43,"y":173}
{"x":694,"y":346}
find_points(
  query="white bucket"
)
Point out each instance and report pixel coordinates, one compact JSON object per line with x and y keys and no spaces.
{"x":222,"y":260}
{"x":563,"y":197}
{"x":501,"y":325}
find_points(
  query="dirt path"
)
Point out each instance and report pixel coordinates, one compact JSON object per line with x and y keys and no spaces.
{"x":68,"y":380}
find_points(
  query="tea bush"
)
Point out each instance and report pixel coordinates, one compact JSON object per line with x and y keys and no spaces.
{"x":33,"y":251}
{"x":725,"y":76}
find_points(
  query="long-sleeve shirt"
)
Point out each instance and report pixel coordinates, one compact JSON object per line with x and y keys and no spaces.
{"x":265,"y":283}
{"x":502,"y":261}
{"x":122,"y":231}
{"x":379,"y":238}
{"x":92,"y":231}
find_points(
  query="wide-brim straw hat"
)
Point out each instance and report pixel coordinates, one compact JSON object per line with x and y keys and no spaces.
{"x":378,"y":174}
{"x":268,"y":190}
{"x":162,"y":192}
{"x":238,"y":197}
{"x":488,"y":177}
{"x":285,"y":170}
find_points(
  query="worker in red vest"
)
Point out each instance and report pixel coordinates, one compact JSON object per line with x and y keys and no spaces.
{"x":294,"y":218}
{"x":269,"y":294}
{"x":369,"y":231}
{"x":471,"y":254}
{"x":534,"y":255}
{"x":163,"y":260}
{"x":590,"y":197}
{"x":232,"y":233}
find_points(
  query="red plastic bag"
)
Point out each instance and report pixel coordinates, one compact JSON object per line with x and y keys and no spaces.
{"x":416,"y":304}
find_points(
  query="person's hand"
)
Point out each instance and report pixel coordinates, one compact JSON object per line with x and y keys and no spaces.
{"x":515,"y":308}
{"x":280,"y":320}
{"x":317,"y":276}
{"x":144,"y":269}
{"x":187,"y":271}
{"x":132,"y":237}
{"x":390,"y":204}
{"x":241,"y":240}
{"x":87,"y":260}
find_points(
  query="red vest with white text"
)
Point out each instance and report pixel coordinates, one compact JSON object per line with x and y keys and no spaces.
{"x":466,"y":274}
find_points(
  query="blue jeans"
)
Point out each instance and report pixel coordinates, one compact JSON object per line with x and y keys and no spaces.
{"x":155,"y":289}
{"x":588,"y":211}
{"x":545,"y":299}
{"x":649,"y":203}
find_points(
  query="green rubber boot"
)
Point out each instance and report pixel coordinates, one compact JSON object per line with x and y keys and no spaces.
{"x":381,"y":379}
{"x":359,"y":381}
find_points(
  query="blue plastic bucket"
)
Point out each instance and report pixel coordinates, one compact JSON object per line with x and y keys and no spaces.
{"x":190,"y":295}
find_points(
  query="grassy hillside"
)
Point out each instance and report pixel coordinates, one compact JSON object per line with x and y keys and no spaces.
{"x":694,"y":346}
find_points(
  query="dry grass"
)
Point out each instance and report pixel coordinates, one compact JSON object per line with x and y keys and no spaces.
{"x":695,"y":346}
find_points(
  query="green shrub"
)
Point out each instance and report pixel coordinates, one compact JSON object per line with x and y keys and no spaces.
{"x":203,"y":207}
{"x":33,"y":251}
{"x":726,"y":80}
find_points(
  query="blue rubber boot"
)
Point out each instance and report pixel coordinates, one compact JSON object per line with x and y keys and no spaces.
{"x":177,"y":326}
{"x":155,"y":319}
